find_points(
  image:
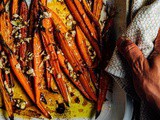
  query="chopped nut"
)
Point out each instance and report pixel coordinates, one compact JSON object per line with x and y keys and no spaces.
{"x":59,"y":76}
{"x":30,"y":72}
{"x":18,"y":66}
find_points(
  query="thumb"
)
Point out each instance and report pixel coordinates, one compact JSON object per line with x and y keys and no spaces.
{"x":132,"y":54}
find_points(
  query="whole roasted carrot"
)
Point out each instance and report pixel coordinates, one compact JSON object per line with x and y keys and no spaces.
{"x":79,"y":19}
{"x":48,"y":41}
{"x":6,"y":98}
{"x":38,"y":73}
{"x":17,"y":69}
{"x":103,"y":86}
{"x":14,"y":7}
{"x":23,"y":47}
{"x":86,"y":19}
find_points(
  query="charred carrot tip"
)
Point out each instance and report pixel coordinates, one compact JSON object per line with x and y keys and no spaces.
{"x":97,"y":114}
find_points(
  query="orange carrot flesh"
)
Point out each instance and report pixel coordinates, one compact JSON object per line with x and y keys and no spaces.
{"x":14,"y":7}
{"x":23,"y":31}
{"x":38,"y":73}
{"x":6,"y":29}
{"x":1,"y":6}
{"x":6,"y":98}
{"x":48,"y":76}
{"x":86,"y":19}
{"x":81,"y":43}
{"x":44,"y":2}
{"x":20,"y":76}
{"x":5,"y":1}
{"x":95,"y":7}
{"x":48,"y":41}
{"x":79,"y":19}
{"x":99,"y":9}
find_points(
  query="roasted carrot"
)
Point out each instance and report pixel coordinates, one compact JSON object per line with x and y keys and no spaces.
{"x":1,"y":6}
{"x":38,"y":73}
{"x":23,"y":47}
{"x":48,"y":41}
{"x":44,"y":2}
{"x":17,"y":69}
{"x":79,"y":19}
{"x":48,"y":76}
{"x":6,"y":29}
{"x":69,"y":55}
{"x":22,"y":79}
{"x":97,"y":7}
{"x":103,"y":86}
{"x":6,"y":98}
{"x":14,"y":7}
{"x":81,"y":43}
{"x":5,"y":1}
{"x":86,"y":19}
{"x":34,"y":8}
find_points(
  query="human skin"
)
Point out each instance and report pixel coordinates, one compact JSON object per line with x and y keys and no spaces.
{"x":146,"y":72}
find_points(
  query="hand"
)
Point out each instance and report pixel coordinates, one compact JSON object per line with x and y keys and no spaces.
{"x":146,"y":72}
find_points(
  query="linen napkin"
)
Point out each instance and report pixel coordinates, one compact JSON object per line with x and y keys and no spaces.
{"x":142,"y":30}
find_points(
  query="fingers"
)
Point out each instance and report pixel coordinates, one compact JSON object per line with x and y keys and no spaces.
{"x":132,"y":54}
